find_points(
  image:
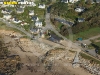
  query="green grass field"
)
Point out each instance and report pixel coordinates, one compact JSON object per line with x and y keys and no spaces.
{"x":98,"y":38}
{"x":97,"y":43}
{"x":87,"y":34}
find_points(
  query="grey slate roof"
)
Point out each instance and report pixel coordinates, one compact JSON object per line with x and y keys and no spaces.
{"x":97,"y":1}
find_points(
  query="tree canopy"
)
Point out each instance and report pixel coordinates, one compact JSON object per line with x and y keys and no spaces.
{"x":59,"y":8}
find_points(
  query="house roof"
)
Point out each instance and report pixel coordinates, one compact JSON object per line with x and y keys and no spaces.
{"x":80,"y":19}
{"x":41,"y":4}
{"x":3,"y":9}
{"x":80,"y":7}
{"x":38,"y":22}
{"x":64,"y":0}
{"x":22,"y":0}
{"x":98,"y":1}
{"x":14,"y":0}
{"x":9,"y":11}
{"x":64,"y":22}
{"x":20,"y":9}
{"x":15,"y":19}
{"x":1,"y":0}
{"x":34,"y":17}
{"x":31,"y":11}
{"x":7,"y":15}
{"x":34,"y":29}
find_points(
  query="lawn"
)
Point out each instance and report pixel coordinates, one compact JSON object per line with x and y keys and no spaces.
{"x":97,"y":43}
{"x":26,"y":27}
{"x":59,"y":26}
{"x":40,"y":12}
{"x":98,"y":38}
{"x":71,"y":14}
{"x":87,"y":34}
{"x":25,"y":16}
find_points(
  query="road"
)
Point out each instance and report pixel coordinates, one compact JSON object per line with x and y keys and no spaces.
{"x":13,"y":26}
{"x":51,"y":27}
{"x":88,"y":42}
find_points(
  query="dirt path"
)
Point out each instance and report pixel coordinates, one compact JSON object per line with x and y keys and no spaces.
{"x":94,"y":37}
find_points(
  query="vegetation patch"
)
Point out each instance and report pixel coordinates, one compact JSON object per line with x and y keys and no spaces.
{"x":91,"y":16}
{"x":72,"y":51}
{"x":88,"y":33}
{"x":9,"y":64}
{"x":89,"y":58}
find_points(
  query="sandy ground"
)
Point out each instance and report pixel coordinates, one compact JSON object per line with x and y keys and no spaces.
{"x":30,"y":52}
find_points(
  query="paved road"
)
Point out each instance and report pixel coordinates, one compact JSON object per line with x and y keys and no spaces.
{"x":51,"y":27}
{"x":88,"y":42}
{"x":13,"y":26}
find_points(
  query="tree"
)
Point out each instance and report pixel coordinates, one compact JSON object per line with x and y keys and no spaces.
{"x":59,"y":9}
{"x":64,"y":30}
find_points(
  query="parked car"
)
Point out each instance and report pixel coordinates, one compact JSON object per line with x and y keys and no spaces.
{"x":86,"y":51}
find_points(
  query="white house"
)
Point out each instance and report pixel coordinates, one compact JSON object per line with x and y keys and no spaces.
{"x":79,"y":9}
{"x":38,"y":24}
{"x":42,"y":6}
{"x":31,"y":12}
{"x":7,"y":5}
{"x":22,"y":6}
{"x":34,"y":18}
{"x":31,"y":4}
{"x":5,"y":11}
{"x":71,"y":1}
{"x":65,"y":1}
{"x":7,"y":16}
{"x":81,"y":19}
{"x":97,"y":1}
{"x":15,"y":20}
{"x":20,"y":10}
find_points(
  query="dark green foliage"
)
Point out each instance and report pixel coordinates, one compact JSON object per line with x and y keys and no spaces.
{"x":92,"y":19}
{"x":64,"y":30}
{"x":59,"y":9}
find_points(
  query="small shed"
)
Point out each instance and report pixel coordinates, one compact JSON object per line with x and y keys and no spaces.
{"x":81,"y":20}
{"x":79,"y":39}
